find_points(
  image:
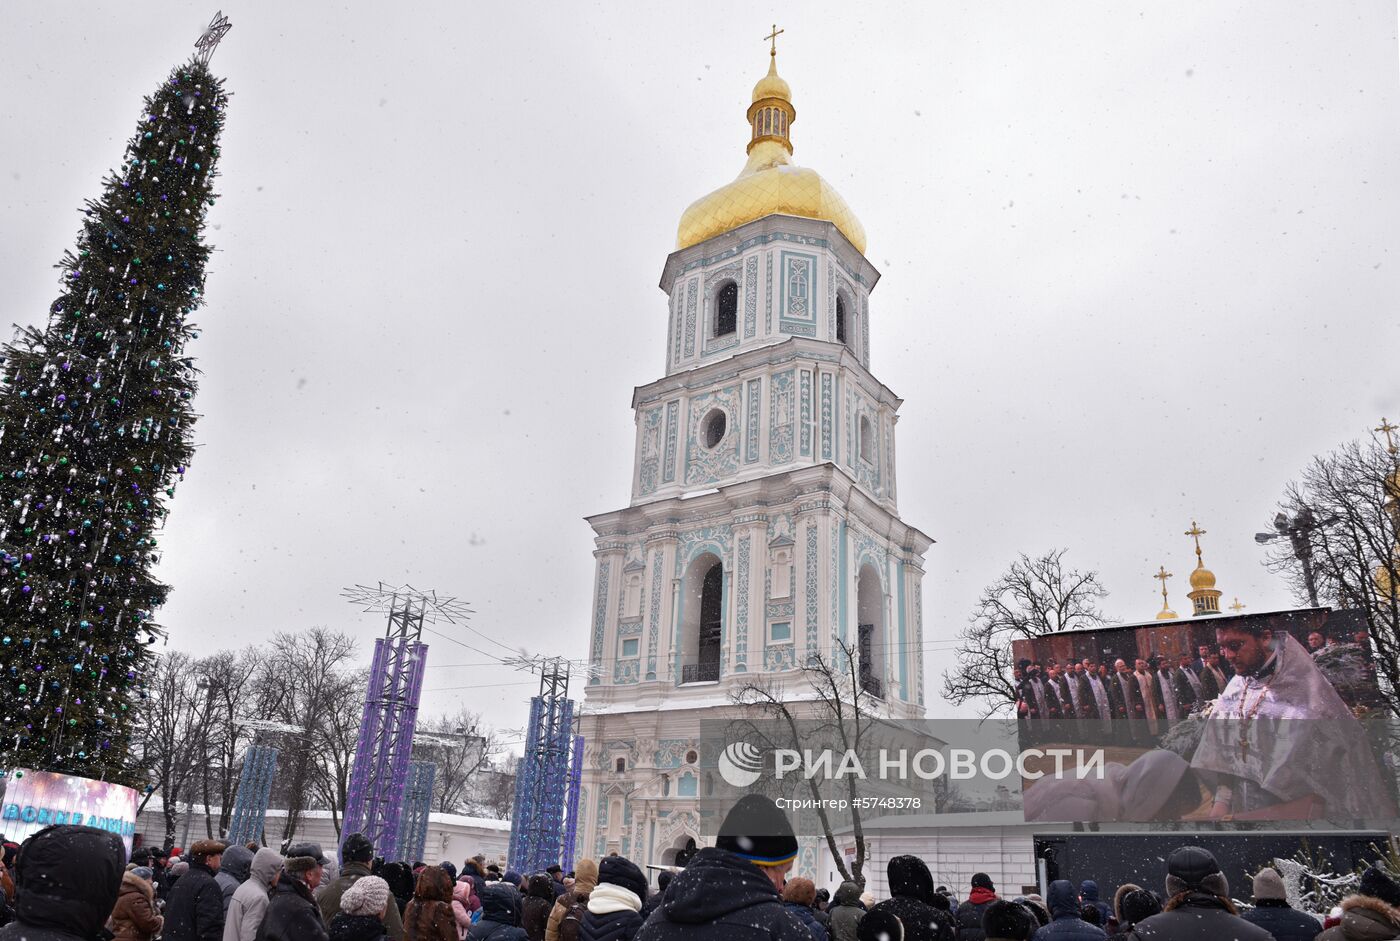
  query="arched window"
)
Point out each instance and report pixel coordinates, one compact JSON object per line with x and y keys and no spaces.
{"x":840,"y":319}
{"x":702,"y":620}
{"x":713,"y":428}
{"x":872,"y":644}
{"x":867,"y":440}
{"x":727,"y":310}
{"x":620,"y":765}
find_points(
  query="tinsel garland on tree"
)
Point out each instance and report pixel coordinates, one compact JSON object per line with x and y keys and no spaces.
{"x":95,"y":420}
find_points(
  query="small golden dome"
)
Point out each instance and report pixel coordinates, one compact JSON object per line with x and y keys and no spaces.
{"x":1202,"y":578}
{"x":769,"y":183}
{"x":1166,"y":614}
{"x":772,"y":85}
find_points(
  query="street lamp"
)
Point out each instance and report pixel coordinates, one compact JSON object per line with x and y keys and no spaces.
{"x":1298,"y":531}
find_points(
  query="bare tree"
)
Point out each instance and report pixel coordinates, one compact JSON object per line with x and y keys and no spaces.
{"x":173,"y":735}
{"x":227,"y":680}
{"x":494,"y":792}
{"x":462,"y":754}
{"x":1351,"y":497}
{"x":1034,"y":597}
{"x":834,"y":706}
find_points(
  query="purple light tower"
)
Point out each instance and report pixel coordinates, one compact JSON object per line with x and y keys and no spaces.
{"x":377,"y":779}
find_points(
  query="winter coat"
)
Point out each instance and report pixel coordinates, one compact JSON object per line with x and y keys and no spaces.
{"x":347,"y":927}
{"x":195,"y":910}
{"x":585,"y":878}
{"x":1089,"y":894}
{"x":539,"y":902}
{"x":497,"y":916}
{"x":464,"y":904}
{"x":135,"y":918}
{"x":1065,"y":923}
{"x":1363,"y":919}
{"x":911,"y":895}
{"x":83,"y":865}
{"x":233,"y":871}
{"x":249,"y":902}
{"x":846,"y":912}
{"x":291,"y":913}
{"x":1194,"y":915}
{"x":429,"y":916}
{"x":969,"y":914}
{"x":329,"y":899}
{"x":1283,"y":921}
{"x":721,"y":897}
{"x":613,"y":914}
{"x":805,"y":915}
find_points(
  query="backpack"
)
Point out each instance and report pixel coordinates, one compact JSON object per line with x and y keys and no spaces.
{"x":573,"y":919}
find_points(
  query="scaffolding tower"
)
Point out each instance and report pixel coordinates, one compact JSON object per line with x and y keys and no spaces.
{"x":542,"y":780}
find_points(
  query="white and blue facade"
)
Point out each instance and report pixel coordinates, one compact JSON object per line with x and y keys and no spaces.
{"x":763,"y":525}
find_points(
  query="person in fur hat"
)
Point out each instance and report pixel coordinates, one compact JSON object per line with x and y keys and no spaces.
{"x":1372,"y":913}
{"x":1272,"y":912}
{"x":1198,"y":905}
{"x":292,"y":913}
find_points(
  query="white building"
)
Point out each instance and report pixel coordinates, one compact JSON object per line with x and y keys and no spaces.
{"x":763,"y":520}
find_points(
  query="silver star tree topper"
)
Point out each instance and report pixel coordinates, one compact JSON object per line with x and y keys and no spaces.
{"x":207,"y":43}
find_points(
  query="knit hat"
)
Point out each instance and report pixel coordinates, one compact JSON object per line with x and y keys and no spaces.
{"x":981,"y":880}
{"x":357,"y":848}
{"x":1137,"y":905}
{"x":450,"y":868}
{"x":1194,"y":868}
{"x":621,"y":871}
{"x":880,"y":925}
{"x":1004,"y":919}
{"x":1268,"y":884}
{"x":367,"y":895}
{"x":1377,"y":884}
{"x":756,"y":830}
{"x":144,"y":872}
{"x":208,"y":848}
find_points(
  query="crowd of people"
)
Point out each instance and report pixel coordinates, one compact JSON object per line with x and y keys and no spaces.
{"x":73,"y":883}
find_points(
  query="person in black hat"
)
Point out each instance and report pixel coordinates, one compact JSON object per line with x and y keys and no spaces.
{"x":614,"y":903}
{"x":730,"y":891}
{"x":1007,"y":921}
{"x":911,"y":901}
{"x":1199,"y":903}
{"x":195,"y":909}
{"x":881,"y":926}
{"x":292,"y":914}
{"x":356,"y":854}
{"x":66,"y":884}
{"x":1373,"y":912}
{"x":970,"y":912}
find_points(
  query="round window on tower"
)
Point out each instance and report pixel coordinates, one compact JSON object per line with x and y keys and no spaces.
{"x":691,"y":757}
{"x":712,"y":429}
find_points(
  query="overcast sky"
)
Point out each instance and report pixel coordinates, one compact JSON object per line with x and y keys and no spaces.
{"x":1140,"y":262}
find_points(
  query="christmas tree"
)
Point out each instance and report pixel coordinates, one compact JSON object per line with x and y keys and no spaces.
{"x":95,"y":419}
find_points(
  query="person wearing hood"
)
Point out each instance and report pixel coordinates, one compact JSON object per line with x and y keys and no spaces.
{"x":663,"y":879}
{"x":356,"y":854}
{"x":429,"y":916}
{"x":1272,"y":912}
{"x":569,"y":909}
{"x":846,"y":912}
{"x":881,"y":926}
{"x":1199,"y":903}
{"x":1008,"y":921}
{"x":497,"y":916}
{"x":799,"y":897}
{"x":195,"y":908}
{"x":292,"y":913}
{"x":135,"y":918}
{"x":362,"y":909}
{"x":67,"y":881}
{"x":249,"y":902}
{"x":970,"y":912}
{"x":911,"y":901}
{"x":1371,"y":914}
{"x":615,"y":904}
{"x":730,"y":891}
{"x":538,"y":903}
{"x":233,"y":871}
{"x":1089,"y":895}
{"x":465,"y":904}
{"x":1065,"y":923}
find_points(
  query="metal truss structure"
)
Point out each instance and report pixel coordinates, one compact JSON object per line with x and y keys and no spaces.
{"x":254,"y":790}
{"x":417,"y":804}
{"x":380,"y":771}
{"x":572,"y":801}
{"x":542,"y":778}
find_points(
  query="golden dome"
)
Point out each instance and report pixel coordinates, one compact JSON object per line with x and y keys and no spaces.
{"x":1202,"y":578}
{"x":1166,"y":614}
{"x":769,"y":183}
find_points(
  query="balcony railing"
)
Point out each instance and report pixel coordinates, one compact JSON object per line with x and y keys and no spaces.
{"x":872,"y":685}
{"x":700,"y":672}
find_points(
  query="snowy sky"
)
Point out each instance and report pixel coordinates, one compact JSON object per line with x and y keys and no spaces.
{"x":1139,"y":263}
